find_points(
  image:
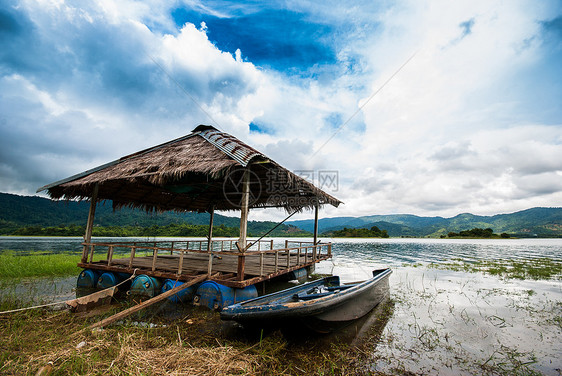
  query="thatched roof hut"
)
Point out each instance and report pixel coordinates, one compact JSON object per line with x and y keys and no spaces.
{"x":202,"y":171}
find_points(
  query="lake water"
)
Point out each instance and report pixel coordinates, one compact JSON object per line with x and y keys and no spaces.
{"x":442,"y":322}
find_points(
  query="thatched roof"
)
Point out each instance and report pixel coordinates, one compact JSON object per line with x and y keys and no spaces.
{"x":193,"y":173}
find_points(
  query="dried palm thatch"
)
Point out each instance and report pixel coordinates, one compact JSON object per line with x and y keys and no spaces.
{"x":197,"y":172}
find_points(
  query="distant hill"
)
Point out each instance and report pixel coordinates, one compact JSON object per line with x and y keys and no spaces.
{"x":19,"y":211}
{"x":535,"y":222}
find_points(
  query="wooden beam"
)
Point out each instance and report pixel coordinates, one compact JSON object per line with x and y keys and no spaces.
{"x":90,"y":223}
{"x":149,"y":302}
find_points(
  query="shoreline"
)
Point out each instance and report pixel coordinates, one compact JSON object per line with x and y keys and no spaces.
{"x":413,"y":334}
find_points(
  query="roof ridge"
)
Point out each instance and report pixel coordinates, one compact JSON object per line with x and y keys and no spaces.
{"x":230,"y":145}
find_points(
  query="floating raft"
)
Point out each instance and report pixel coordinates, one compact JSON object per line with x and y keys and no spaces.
{"x":167,"y":260}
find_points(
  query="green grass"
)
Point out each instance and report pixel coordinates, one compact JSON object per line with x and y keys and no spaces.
{"x":38,"y":265}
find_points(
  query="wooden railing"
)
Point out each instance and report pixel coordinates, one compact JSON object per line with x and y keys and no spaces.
{"x":293,"y":254}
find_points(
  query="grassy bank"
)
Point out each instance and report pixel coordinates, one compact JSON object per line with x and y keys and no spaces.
{"x":14,"y":267}
{"x":436,"y":323}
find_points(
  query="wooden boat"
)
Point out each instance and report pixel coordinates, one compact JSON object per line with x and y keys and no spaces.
{"x":322,"y":305}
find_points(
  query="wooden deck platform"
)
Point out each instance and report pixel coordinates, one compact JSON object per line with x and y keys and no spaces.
{"x":170,"y":261}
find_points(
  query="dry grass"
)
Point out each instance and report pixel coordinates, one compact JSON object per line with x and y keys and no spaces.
{"x":130,"y":353}
{"x":192,"y":346}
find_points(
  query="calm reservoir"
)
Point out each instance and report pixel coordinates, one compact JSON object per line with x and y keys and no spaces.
{"x":442,"y":321}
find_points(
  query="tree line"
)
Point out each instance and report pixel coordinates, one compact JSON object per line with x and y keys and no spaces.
{"x":373,"y":232}
{"x":477,"y":233}
{"x":171,"y":230}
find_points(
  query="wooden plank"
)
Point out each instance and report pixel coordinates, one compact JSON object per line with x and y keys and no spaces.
{"x":146,"y":303}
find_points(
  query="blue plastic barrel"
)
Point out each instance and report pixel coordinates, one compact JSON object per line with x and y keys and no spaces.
{"x":216,"y":296}
{"x":297,"y":274}
{"x":184,"y":296}
{"x":108,"y":279}
{"x":146,"y":286}
{"x":88,"y":278}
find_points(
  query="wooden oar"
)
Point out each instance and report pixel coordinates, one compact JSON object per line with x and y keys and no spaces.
{"x":146,"y":303}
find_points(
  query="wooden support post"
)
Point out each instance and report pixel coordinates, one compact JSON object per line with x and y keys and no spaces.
{"x":180,"y":265}
{"x":109,"y":255}
{"x":241,"y":267}
{"x":316,"y":223}
{"x":91,"y":253}
{"x":244,"y":208}
{"x":210,"y":236}
{"x":154,"y":256}
{"x":261,"y":264}
{"x":210,"y":240}
{"x":271,"y":246}
{"x":276,"y":261}
{"x":90,"y":223}
{"x":132,"y":256}
{"x":315,"y":252}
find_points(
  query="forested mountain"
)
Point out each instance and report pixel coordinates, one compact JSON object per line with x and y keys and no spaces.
{"x":25,"y":211}
{"x":20,"y":211}
{"x":535,"y":222}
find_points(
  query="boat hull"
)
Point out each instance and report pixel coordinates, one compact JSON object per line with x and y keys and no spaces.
{"x":322,"y":312}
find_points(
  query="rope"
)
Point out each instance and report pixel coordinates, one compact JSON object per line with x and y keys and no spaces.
{"x":267,"y":233}
{"x":64,"y":302}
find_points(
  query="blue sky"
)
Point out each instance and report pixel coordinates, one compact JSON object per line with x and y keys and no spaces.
{"x":471,"y":123}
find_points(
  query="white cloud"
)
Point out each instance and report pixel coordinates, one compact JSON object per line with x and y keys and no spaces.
{"x":452,"y":132}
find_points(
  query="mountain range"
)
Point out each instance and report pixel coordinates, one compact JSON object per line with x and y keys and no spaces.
{"x":17,"y":211}
{"x":20,"y":211}
{"x":534,"y":222}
